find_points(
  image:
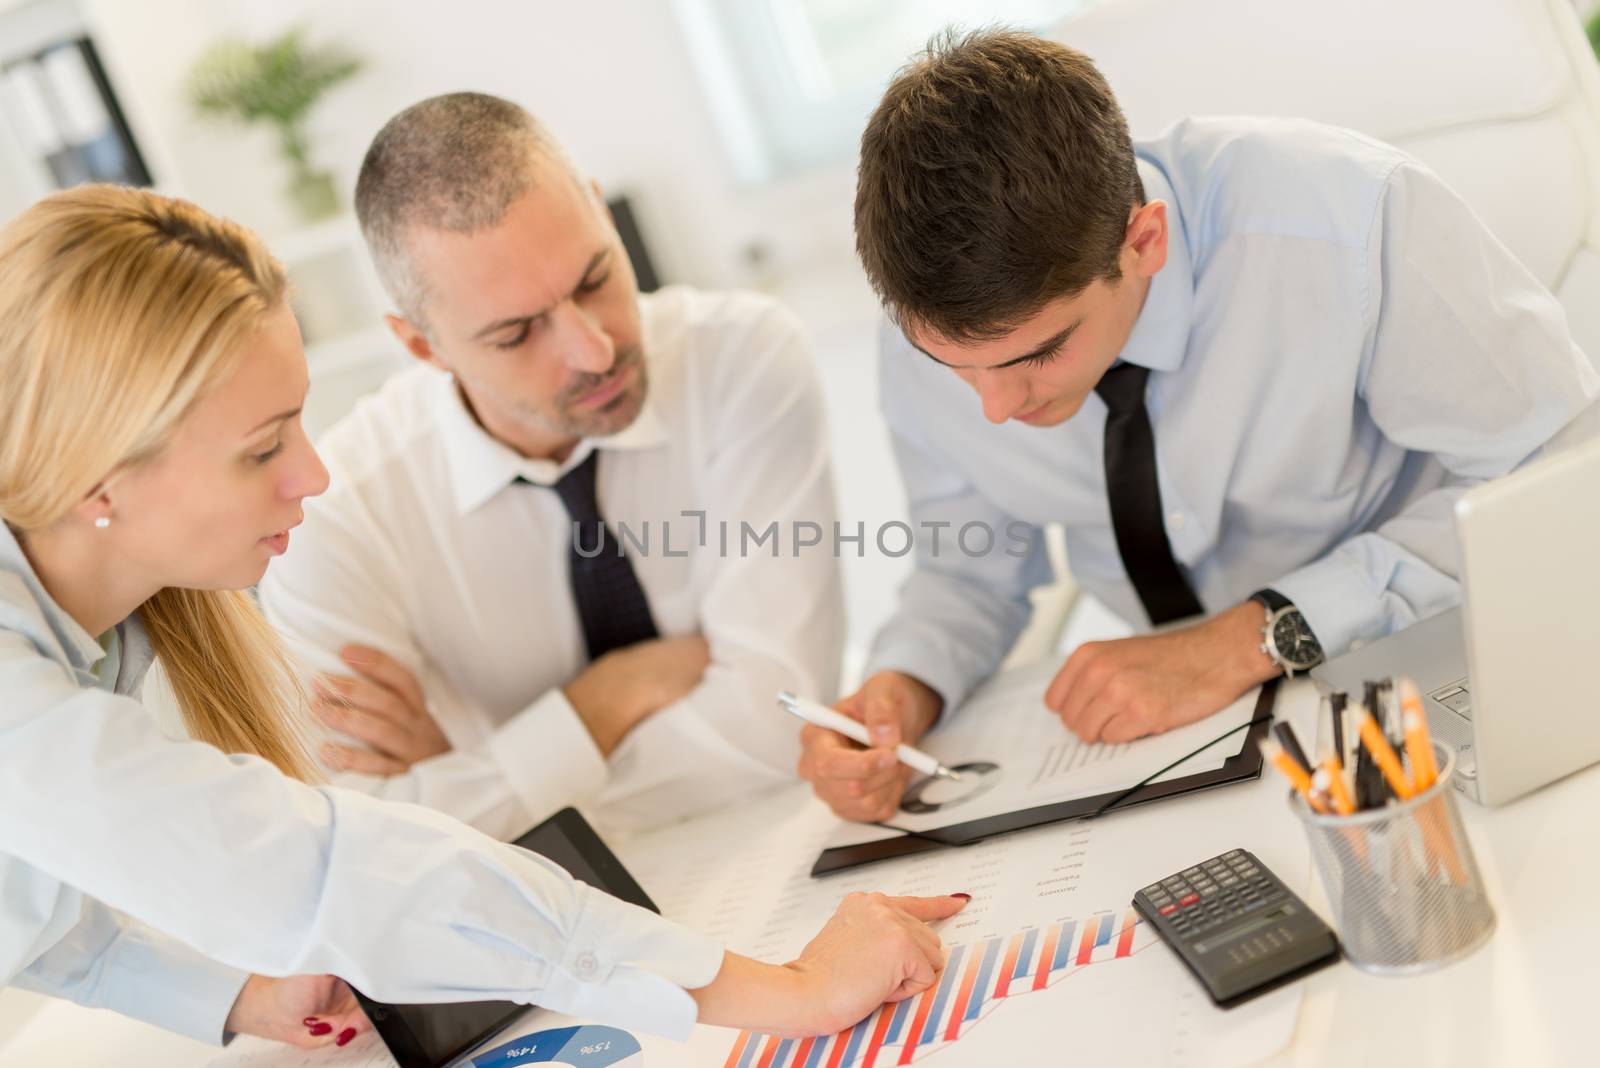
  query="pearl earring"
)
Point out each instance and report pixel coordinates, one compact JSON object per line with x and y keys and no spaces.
{"x":102,"y":522}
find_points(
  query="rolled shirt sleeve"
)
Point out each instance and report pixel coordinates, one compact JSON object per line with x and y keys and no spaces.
{"x":342,"y":588}
{"x":959,"y":613}
{"x":1469,"y":359}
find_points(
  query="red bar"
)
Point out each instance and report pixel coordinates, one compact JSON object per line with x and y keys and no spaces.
{"x":875,"y":1043}
{"x":1086,"y":943}
{"x":840,"y":1041}
{"x":1008,"y":965}
{"x":963,"y":995}
{"x":1130,"y":919}
{"x":919,"y":1020}
{"x":800,"y":1055}
{"x":1047,"y":952}
{"x":738,"y":1049}
{"x":773,"y":1042}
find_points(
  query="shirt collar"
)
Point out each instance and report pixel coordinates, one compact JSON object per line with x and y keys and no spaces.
{"x":481,"y":465}
{"x":48,"y":624}
{"x":1160,"y":336}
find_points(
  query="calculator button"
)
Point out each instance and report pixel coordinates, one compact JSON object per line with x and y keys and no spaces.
{"x":1188,"y":899}
{"x":1232,"y":854}
{"x":1169,"y":908}
{"x":1151,"y":890}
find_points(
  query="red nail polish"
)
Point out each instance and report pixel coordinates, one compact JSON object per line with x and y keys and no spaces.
{"x":344,"y":1036}
{"x":963,"y":897}
{"x":318,"y":1030}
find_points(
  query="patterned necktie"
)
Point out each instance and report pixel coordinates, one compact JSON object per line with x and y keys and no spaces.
{"x":1135,"y":496}
{"x":611,"y":604}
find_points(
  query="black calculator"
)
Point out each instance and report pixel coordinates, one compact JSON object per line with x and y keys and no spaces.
{"x":1237,"y":927}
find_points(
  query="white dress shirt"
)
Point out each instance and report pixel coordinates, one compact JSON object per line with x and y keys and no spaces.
{"x":427,"y":548}
{"x":1338,"y":348}
{"x":249,"y":871}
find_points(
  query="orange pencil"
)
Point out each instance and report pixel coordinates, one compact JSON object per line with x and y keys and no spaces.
{"x":1419,"y":748}
{"x":1383,"y":753}
{"x":1343,"y":803}
{"x":1298,"y":777}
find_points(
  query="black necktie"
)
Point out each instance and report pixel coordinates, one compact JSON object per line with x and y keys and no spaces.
{"x":611,"y":603}
{"x":1135,"y":496}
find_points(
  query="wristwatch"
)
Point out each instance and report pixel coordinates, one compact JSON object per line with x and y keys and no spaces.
{"x":1287,"y":638}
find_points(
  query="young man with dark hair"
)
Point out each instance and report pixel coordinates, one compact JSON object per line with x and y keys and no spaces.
{"x":1249,"y":364}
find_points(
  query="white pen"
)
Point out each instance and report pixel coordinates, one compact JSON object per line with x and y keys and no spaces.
{"x":822,"y":716}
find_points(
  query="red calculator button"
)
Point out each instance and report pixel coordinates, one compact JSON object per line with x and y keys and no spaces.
{"x":1168,"y":910}
{"x":1189,"y":900}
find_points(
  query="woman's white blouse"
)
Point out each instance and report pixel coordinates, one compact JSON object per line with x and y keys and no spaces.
{"x":249,"y":871}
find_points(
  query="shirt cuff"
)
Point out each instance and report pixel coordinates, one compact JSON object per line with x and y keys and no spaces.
{"x":939,"y":673}
{"x":187,"y":992}
{"x":628,"y":966}
{"x":548,"y":758}
{"x":1336,"y":596}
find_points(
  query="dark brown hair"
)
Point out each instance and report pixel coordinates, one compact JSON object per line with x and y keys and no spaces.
{"x":996,"y":175}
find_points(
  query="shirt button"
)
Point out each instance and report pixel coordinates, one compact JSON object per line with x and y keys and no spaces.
{"x":1175,"y":520}
{"x":587,"y":966}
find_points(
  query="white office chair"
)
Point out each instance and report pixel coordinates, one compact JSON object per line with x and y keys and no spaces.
{"x":1500,"y":97}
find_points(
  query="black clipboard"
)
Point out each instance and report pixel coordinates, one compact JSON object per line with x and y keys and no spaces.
{"x":1242,"y":767}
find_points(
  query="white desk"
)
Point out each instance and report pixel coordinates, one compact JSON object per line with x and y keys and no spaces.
{"x":1523,"y":1001}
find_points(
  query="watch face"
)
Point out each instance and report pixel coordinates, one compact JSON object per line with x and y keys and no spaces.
{"x":1295,"y":643}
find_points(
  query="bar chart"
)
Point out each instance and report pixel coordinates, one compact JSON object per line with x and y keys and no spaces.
{"x":977,"y":979}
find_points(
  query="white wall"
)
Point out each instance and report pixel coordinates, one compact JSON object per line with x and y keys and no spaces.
{"x":611,"y":77}
{"x":614,"y":79}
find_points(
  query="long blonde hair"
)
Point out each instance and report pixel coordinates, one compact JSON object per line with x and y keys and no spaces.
{"x":119,"y":310}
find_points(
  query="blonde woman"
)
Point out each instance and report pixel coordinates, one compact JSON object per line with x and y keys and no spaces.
{"x":151,"y":464}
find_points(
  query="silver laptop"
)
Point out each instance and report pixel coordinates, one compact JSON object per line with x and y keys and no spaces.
{"x":1507,"y":678}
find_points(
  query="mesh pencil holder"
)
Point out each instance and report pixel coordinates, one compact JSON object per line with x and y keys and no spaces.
{"x":1406,"y":893}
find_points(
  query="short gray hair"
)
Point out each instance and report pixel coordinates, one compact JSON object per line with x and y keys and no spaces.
{"x":455,"y":162}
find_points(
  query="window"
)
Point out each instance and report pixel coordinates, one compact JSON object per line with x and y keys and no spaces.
{"x":792,"y":81}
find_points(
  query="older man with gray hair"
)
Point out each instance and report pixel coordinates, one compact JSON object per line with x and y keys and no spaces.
{"x":559,"y":561}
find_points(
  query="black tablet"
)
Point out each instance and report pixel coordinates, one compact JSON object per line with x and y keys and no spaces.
{"x":430,"y":1036}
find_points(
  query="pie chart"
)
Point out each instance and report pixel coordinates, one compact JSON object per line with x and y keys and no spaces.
{"x":588,"y":1047}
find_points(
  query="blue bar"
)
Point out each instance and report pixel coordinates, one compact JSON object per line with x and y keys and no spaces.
{"x":981,"y":990}
{"x":819,"y":1050}
{"x":1103,"y":936}
{"x":1064,"y":945}
{"x":781,"y":1057}
{"x":748,"y":1057}
{"x":901,"y":1011}
{"x":854,"y":1046}
{"x":951,"y":971}
{"x":1025,"y":955}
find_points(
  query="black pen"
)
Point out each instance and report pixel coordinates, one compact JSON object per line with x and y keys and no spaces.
{"x":1291,"y":745}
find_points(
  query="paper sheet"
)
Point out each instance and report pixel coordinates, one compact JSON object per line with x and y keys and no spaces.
{"x":247,"y":1051}
{"x":1041,"y":762}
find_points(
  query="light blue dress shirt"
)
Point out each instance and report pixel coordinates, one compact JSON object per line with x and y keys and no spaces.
{"x":103,"y":818}
{"x":1338,"y":347}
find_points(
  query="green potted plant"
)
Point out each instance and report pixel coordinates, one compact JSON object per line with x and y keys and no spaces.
{"x":279,"y":83}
